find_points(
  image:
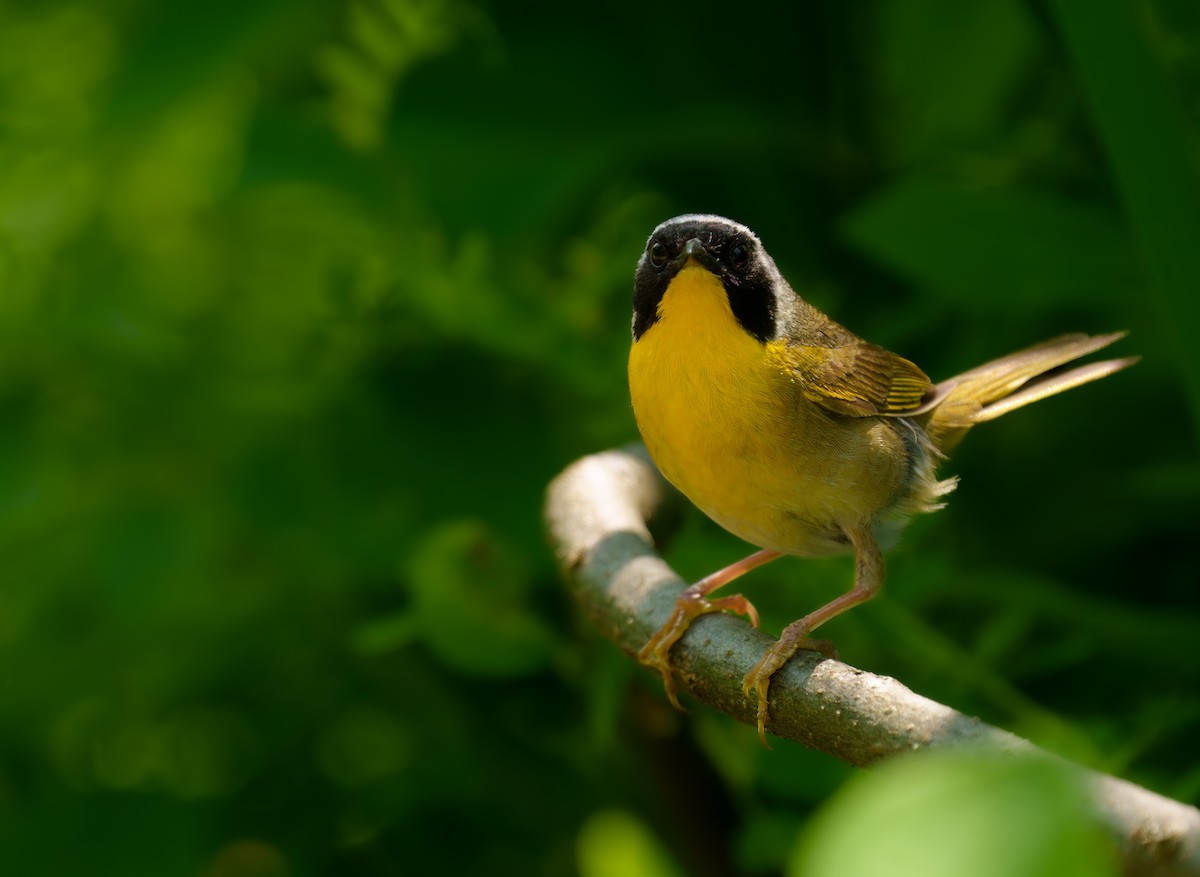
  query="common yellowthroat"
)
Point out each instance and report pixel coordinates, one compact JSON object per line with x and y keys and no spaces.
{"x":789,"y":430}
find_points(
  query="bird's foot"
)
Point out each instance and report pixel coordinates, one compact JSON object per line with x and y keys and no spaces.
{"x":758,"y":681}
{"x":691,"y":605}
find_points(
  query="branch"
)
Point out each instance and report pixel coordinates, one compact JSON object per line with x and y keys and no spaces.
{"x":597,"y":512}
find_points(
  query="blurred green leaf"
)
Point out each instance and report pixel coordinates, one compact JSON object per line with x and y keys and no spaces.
{"x":1153,"y":156}
{"x":988,"y":43}
{"x":467,"y":587}
{"x":948,"y":814}
{"x":613,"y":843}
{"x":996,"y":250}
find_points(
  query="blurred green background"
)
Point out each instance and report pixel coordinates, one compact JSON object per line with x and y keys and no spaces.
{"x":302,"y":304}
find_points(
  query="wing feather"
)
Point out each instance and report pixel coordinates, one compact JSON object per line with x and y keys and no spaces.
{"x":857,"y":379}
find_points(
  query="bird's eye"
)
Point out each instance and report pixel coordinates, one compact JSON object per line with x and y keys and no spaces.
{"x":657,"y":253}
{"x":739,"y":257}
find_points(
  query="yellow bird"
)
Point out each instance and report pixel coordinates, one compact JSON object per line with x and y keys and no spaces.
{"x":790,"y":431}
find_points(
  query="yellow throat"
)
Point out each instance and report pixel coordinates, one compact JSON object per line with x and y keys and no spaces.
{"x":688,"y":373}
{"x":713,"y":404}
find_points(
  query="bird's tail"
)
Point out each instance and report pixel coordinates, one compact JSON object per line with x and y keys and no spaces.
{"x":1008,"y":383}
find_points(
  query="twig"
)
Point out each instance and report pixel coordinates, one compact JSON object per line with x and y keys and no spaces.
{"x":597,"y":512}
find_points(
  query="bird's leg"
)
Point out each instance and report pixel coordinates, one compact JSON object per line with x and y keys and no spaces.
{"x":693,"y":603}
{"x":868,"y":577}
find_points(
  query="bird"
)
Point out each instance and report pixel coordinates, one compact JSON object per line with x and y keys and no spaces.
{"x":790,"y":431}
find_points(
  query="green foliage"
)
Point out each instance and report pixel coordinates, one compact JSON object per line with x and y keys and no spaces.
{"x":612,"y":844}
{"x":944,"y":814}
{"x":943,"y":236}
{"x":303,"y":304}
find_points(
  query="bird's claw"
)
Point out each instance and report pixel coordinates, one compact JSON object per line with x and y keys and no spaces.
{"x":690,"y":606}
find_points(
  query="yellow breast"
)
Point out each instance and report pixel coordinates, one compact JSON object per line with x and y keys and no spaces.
{"x":726,"y":424}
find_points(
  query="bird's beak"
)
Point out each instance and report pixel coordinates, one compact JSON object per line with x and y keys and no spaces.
{"x":693,"y":249}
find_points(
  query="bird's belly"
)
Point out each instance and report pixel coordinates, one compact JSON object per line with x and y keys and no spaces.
{"x":761,"y":460}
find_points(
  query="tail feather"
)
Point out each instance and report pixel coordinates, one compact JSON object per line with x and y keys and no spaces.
{"x":1003,"y":385}
{"x":1047,"y":385}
